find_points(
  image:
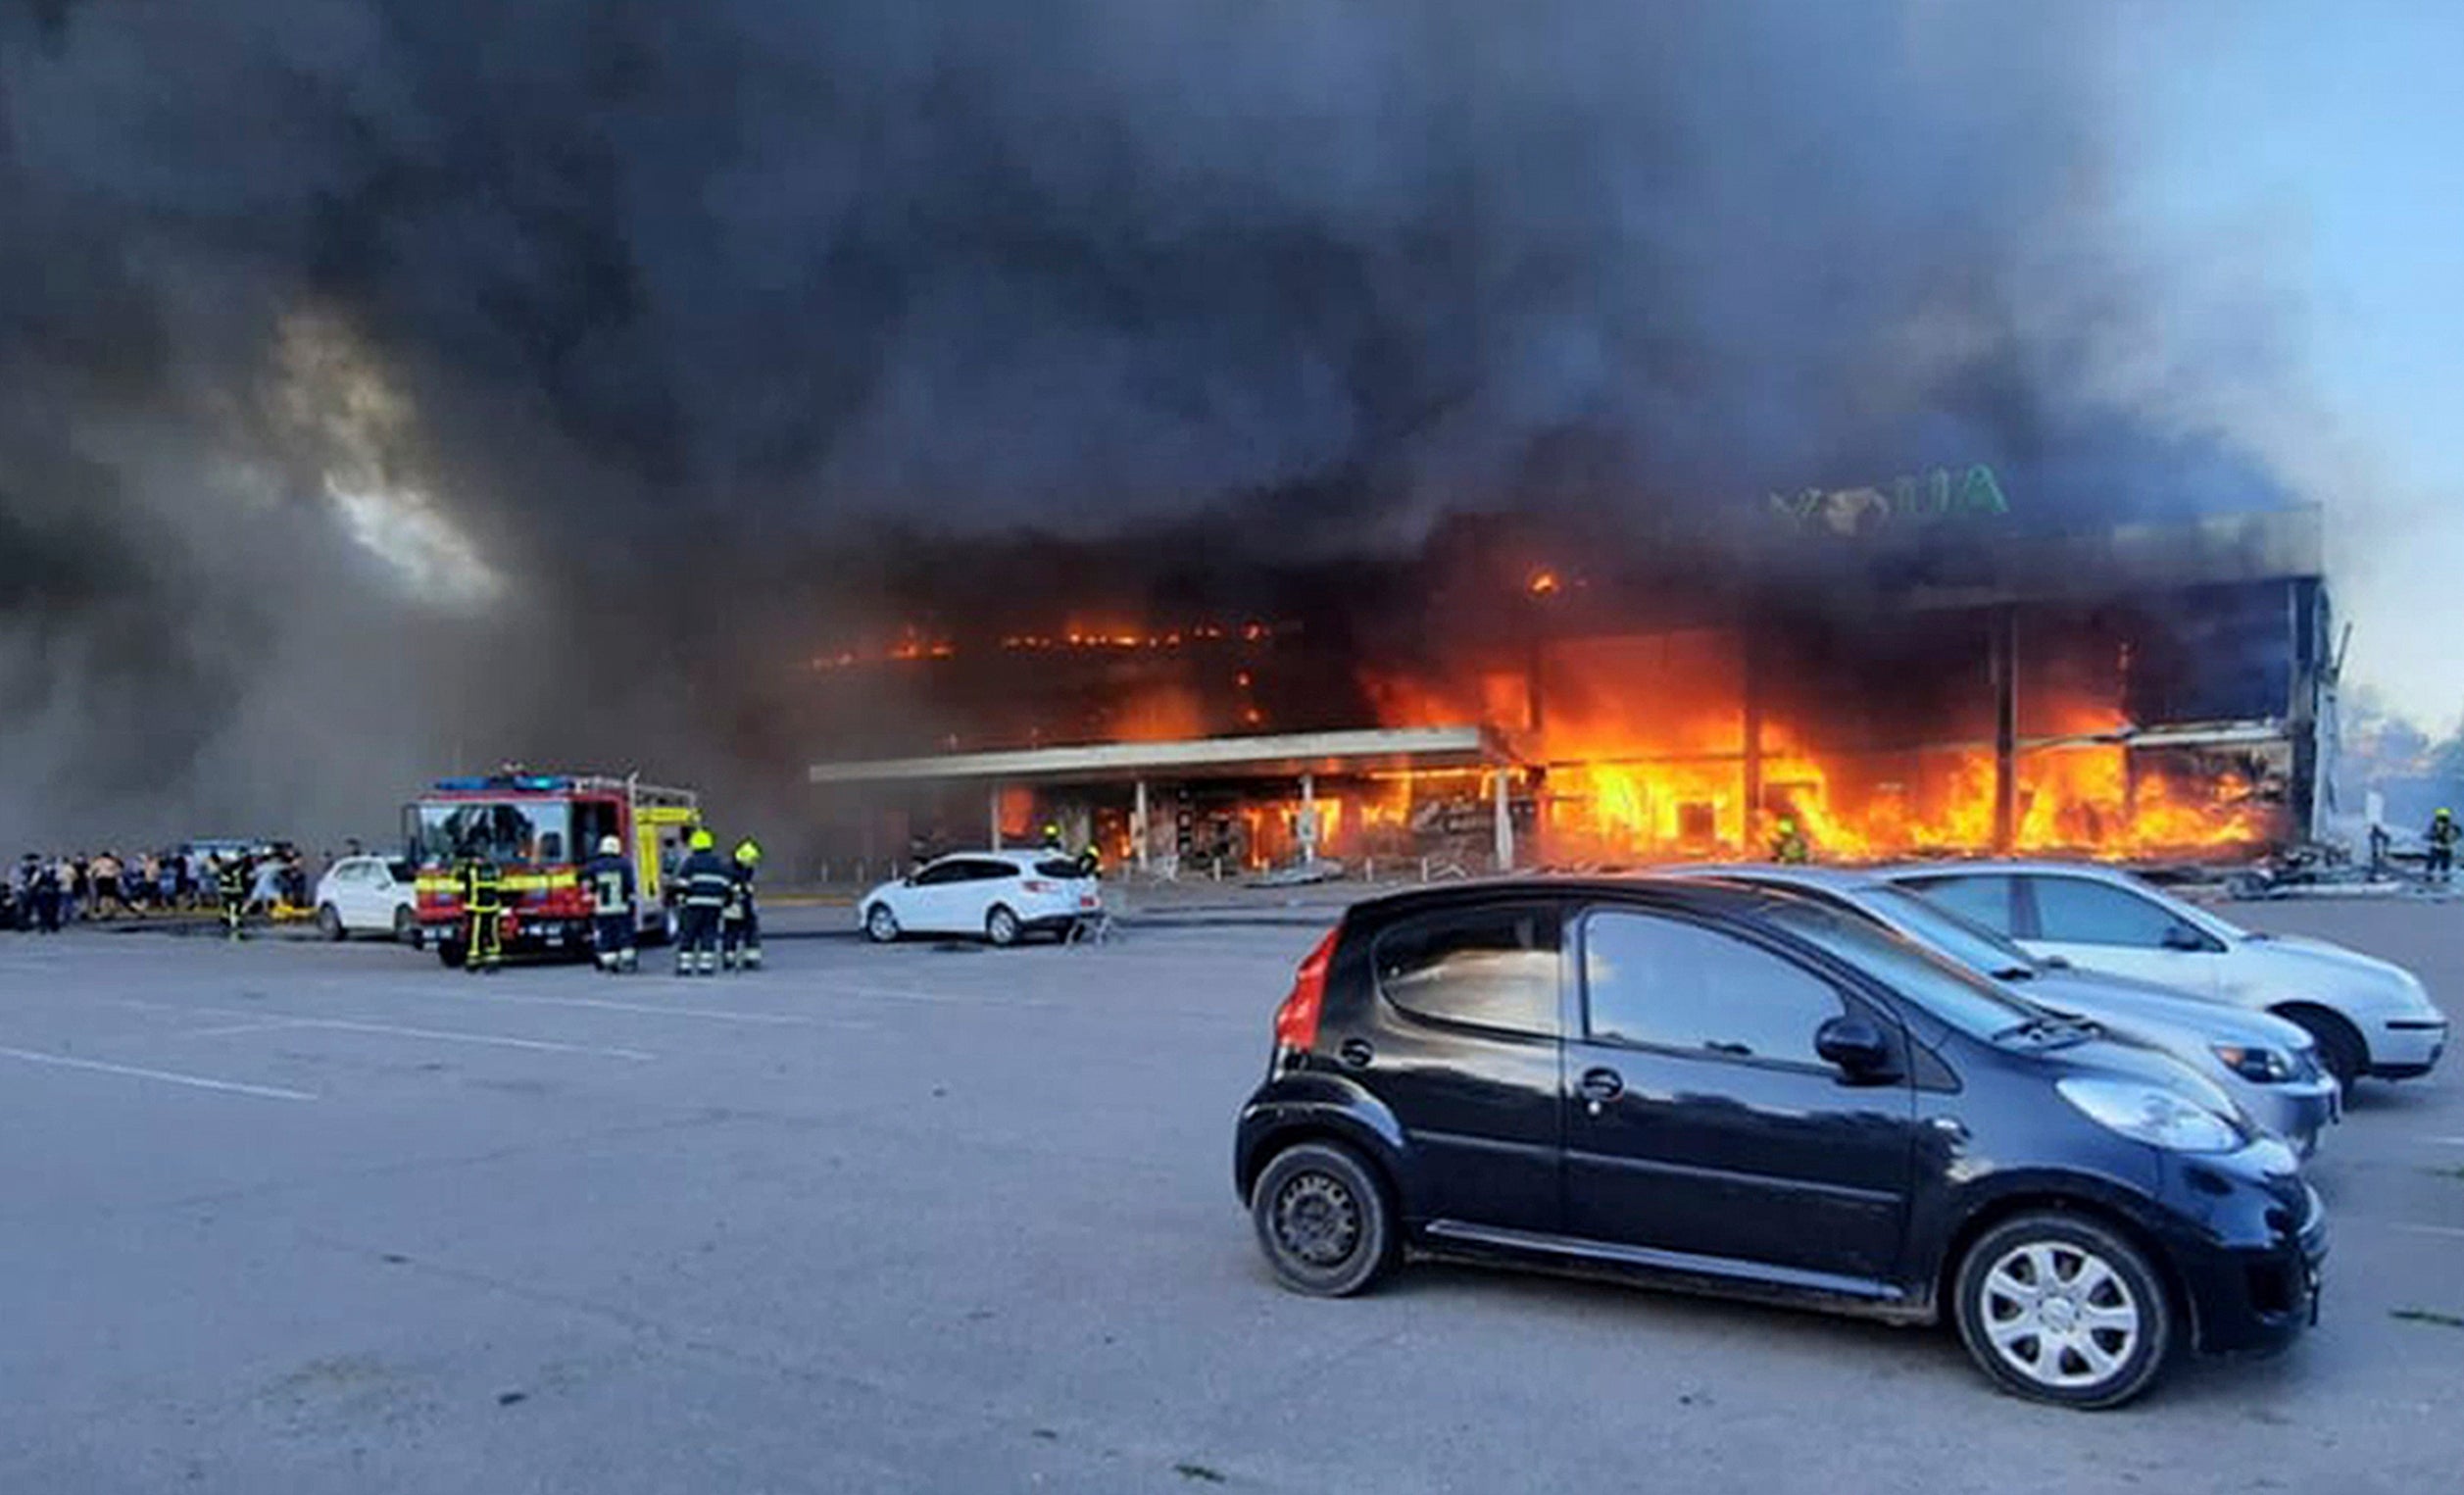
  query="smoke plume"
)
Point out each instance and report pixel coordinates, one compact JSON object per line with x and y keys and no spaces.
{"x":388,"y":387}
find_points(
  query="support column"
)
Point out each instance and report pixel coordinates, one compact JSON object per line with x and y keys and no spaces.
{"x":1138,"y":832}
{"x":2003,"y":651}
{"x":1751,"y":687}
{"x":995,"y":813}
{"x":1309,"y":818}
{"x":1502,"y":811}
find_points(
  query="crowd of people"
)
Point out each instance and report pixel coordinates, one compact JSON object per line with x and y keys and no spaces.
{"x":47,"y":893}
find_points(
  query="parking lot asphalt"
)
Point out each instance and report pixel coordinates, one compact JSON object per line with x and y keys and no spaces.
{"x":286,"y":1216}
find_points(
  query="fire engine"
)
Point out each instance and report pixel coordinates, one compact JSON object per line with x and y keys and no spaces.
{"x":539,"y":828}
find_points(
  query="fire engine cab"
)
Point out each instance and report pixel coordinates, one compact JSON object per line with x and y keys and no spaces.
{"x":539,"y":828}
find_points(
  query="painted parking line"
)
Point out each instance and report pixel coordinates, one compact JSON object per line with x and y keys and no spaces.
{"x":497,"y":1040}
{"x":925,"y":998}
{"x":654,"y":1009}
{"x":166,"y":1077}
{"x":272,"y":1019}
{"x":2451,"y":1232}
{"x":228,"y":1028}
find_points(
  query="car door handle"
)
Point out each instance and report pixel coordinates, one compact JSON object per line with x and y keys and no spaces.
{"x":1356,"y":1053}
{"x":1599,"y":1085}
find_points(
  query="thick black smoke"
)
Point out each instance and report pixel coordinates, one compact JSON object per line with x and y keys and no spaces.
{"x":393,"y":384}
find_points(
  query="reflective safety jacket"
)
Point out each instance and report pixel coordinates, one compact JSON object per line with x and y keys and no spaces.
{"x":610,"y":884}
{"x":232,"y":880}
{"x":704,"y":881}
{"x":739,"y":889}
{"x":482,"y":887}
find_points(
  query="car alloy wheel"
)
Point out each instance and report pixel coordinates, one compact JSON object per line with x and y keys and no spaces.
{"x":881,"y":924}
{"x":330,"y":922}
{"x":1001,"y":926}
{"x":2061,"y":1309}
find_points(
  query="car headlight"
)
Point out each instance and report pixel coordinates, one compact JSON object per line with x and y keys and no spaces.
{"x":2256,"y":1063}
{"x":2152,"y":1115}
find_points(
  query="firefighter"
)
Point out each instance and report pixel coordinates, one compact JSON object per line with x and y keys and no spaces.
{"x":1090,"y":860}
{"x":231,"y":888}
{"x":704,"y":882}
{"x":2442,"y":835}
{"x":483,"y":914}
{"x":1052,"y":836}
{"x":740,"y":922}
{"x":612,"y":909}
{"x":1789,"y":846}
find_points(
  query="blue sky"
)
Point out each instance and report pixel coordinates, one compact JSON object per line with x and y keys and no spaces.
{"x":2314,"y":152}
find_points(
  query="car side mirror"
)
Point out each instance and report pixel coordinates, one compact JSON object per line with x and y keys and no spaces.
{"x":1856,"y":1047}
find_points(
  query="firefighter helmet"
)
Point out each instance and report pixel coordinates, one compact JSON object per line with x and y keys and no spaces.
{"x":609,"y":846}
{"x":749,"y":852}
{"x":701,"y":840}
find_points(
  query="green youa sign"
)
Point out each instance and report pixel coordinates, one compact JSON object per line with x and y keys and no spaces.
{"x":1941,"y":493}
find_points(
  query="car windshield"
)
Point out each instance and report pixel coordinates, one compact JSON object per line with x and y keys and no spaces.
{"x":1947,"y":932}
{"x":1957,"y":996}
{"x":517,"y":832}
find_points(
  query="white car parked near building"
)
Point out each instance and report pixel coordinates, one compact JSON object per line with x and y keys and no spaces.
{"x":2370,"y":1017}
{"x":369,"y":895}
{"x":1000,"y":896}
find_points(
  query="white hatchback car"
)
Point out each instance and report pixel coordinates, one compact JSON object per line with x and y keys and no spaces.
{"x":369,"y":895}
{"x":1000,"y":896}
{"x":2370,"y":1017}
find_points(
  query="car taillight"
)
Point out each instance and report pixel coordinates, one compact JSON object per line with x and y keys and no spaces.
{"x":1033,"y":886}
{"x":1296,"y":1021}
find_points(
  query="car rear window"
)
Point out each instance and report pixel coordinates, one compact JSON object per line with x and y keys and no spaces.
{"x":1493,"y":968}
{"x":1057,"y":867}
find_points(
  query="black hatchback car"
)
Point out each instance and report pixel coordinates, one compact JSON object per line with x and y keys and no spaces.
{"x":1729,"y":1090}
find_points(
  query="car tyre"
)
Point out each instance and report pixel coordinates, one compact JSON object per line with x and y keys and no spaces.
{"x":1002,"y":925}
{"x":407,"y":927}
{"x":881,"y":926}
{"x":2059,"y":1308}
{"x":2341,"y":1052}
{"x":329,"y":923}
{"x":449,"y":948}
{"x":1323,"y":1220}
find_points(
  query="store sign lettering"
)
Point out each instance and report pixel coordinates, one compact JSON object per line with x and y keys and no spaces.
{"x":1916,"y":497}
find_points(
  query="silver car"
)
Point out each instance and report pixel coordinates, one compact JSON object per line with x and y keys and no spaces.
{"x":2270,"y":1067}
{"x":2370,"y":1017}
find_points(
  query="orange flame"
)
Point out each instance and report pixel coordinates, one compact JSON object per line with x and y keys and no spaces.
{"x":1645,"y":747}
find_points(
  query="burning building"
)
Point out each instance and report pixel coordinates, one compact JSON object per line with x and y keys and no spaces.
{"x":1890,"y":671}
